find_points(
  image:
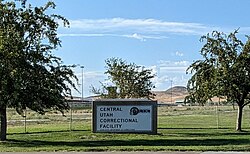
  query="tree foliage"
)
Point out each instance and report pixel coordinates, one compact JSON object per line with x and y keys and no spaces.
{"x":30,"y":75}
{"x":224,"y":71}
{"x":127,"y":80}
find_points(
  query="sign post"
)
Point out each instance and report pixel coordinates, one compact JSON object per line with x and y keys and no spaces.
{"x":125,"y":116}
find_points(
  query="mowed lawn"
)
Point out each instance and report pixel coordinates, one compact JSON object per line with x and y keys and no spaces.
{"x":179,"y":129}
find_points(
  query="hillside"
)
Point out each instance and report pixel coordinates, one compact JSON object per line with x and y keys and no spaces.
{"x":177,"y":93}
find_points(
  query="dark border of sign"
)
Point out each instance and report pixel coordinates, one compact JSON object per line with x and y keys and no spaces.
{"x":112,"y":102}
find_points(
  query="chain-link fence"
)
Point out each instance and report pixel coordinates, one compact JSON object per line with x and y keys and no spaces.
{"x":202,"y":116}
{"x":74,"y":116}
{"x":168,"y":117}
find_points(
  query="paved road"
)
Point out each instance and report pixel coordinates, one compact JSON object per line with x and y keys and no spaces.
{"x":174,"y":152}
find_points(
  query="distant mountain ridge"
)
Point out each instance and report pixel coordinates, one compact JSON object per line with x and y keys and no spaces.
{"x":171,"y":95}
{"x":168,"y":96}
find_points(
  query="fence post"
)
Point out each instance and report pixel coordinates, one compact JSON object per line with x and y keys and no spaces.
{"x":25,"y":119}
{"x":70,"y":117}
{"x":217,"y":113}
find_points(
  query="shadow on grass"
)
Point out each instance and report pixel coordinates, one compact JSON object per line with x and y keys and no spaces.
{"x":143,"y":142}
{"x":201,"y":128}
{"x":44,"y":132}
{"x":188,"y":138}
{"x":203,"y":133}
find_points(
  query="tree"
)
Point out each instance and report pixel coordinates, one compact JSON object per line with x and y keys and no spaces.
{"x":30,"y":75}
{"x":223,"y":72}
{"x":128,"y":80}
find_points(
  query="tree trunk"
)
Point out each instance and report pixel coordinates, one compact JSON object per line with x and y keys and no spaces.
{"x":239,"y":118}
{"x":3,"y":132}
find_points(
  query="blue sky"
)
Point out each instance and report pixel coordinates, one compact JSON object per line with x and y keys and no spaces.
{"x":162,"y":35}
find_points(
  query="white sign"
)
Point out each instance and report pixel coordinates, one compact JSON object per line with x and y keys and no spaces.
{"x":117,"y":118}
{"x":125,"y":116}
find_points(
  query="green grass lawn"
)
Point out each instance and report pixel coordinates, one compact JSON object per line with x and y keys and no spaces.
{"x":179,"y":129}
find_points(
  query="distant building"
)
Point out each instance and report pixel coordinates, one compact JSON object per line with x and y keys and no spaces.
{"x":78,"y":102}
{"x":180,"y":102}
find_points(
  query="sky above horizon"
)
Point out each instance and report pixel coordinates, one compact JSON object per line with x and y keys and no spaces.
{"x":162,"y":35}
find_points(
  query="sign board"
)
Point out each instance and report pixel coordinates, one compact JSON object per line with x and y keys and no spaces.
{"x":125,"y":116}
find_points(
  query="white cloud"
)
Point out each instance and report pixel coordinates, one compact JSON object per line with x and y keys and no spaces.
{"x":173,"y":69}
{"x":178,"y":53}
{"x":140,"y":29}
{"x":144,"y":25}
{"x":94,"y":74}
{"x":154,"y":69}
{"x":134,"y":36}
{"x":167,"y":63}
{"x":161,"y":81}
{"x":135,"y":26}
{"x":168,"y":71}
{"x":90,"y":74}
{"x":145,"y":37}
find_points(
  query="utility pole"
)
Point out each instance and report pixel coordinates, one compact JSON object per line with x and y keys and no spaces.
{"x":171,"y":81}
{"x":82,"y":67}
